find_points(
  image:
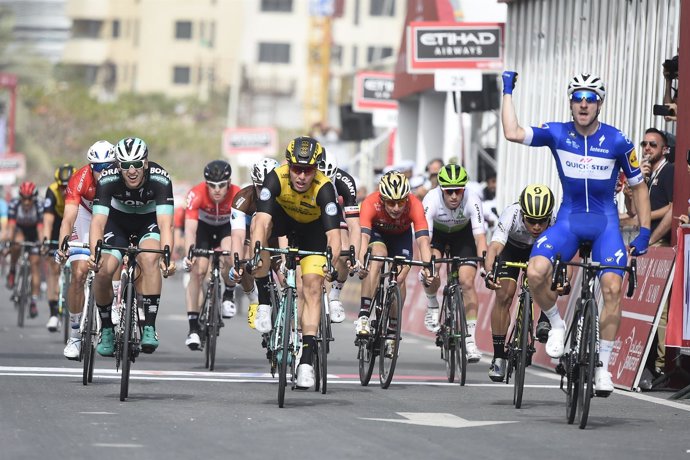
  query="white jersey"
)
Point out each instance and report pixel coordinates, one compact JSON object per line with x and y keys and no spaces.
{"x":511,"y":227}
{"x":440,"y":218}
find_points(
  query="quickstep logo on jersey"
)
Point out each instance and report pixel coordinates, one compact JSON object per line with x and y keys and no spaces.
{"x":580,"y":167}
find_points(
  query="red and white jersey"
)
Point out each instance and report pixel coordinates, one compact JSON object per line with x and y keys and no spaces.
{"x":81,"y":188}
{"x":201,"y":207}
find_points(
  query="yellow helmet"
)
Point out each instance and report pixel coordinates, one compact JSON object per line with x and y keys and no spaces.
{"x":536,"y":201}
{"x":304,"y":151}
{"x":394,"y":186}
{"x":63,"y":174}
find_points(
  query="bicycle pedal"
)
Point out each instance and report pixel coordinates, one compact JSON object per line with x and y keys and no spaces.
{"x":560,"y":369}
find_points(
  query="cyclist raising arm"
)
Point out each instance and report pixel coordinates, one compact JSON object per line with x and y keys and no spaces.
{"x":455,"y":218}
{"x":387,"y":217}
{"x":588,"y":155}
{"x":133,"y":197}
{"x":519,"y":225}
{"x":297,"y":199}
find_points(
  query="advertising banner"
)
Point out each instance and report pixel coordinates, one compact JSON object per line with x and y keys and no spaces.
{"x":678,"y":329}
{"x":373,"y":91}
{"x":454,"y":45}
{"x":259,"y":141}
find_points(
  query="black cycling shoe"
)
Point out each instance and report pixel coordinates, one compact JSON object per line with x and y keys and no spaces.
{"x":542,"y":331}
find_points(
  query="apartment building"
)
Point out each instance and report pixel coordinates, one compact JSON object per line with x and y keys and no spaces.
{"x":191,"y":47}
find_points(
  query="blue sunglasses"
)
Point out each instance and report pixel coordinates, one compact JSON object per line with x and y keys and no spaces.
{"x":589,"y":96}
{"x":98,"y":167}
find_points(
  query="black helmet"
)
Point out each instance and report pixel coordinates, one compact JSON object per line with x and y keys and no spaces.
{"x":217,"y":171}
{"x":304,"y":151}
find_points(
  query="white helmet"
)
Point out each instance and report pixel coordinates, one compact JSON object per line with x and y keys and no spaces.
{"x":261,"y":168}
{"x":101,"y":152}
{"x":588,"y":82}
{"x":131,"y":149}
{"x":328,"y":165}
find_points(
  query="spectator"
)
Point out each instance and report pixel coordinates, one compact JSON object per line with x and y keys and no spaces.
{"x":489,"y":204}
{"x":670,"y":93}
{"x":658,"y":172}
{"x":431,"y":178}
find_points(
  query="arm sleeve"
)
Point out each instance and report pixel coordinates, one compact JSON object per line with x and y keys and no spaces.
{"x":430,"y":210}
{"x":326,"y":200}
{"x":238,"y":220}
{"x":268,"y":194}
{"x":345,"y":186}
{"x":476,"y":214}
{"x":505,"y":225}
{"x":421,"y":228}
{"x":73,"y":192}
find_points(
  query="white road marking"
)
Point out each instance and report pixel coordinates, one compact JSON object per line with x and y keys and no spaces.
{"x":100,"y":444}
{"x":437,"y":419}
{"x":96,"y":413}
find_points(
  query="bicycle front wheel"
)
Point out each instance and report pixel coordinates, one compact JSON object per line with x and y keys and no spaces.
{"x":447,"y":336}
{"x":460,"y":336}
{"x":389,"y":343}
{"x":127,"y":337}
{"x":322,"y":350}
{"x":284,"y":352}
{"x":525,"y":326}
{"x":588,"y":358}
{"x":22,"y":296}
{"x":213,"y":324}
{"x":87,"y":342}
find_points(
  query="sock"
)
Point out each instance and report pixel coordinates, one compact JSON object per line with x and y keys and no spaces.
{"x":499,"y":346}
{"x":193,"y":318}
{"x":116,"y":286}
{"x":229,"y":293}
{"x":104,"y":312}
{"x":74,"y":321}
{"x":150,"y":304}
{"x":543,"y":318}
{"x":471,"y":327}
{"x":308,"y":346}
{"x":432,"y":300}
{"x":605,"y":349}
{"x":34,"y":298}
{"x":262,"y":287}
{"x":252,"y":295}
{"x":555,"y":318}
{"x":53,"y":305}
{"x":365,"y":306}
{"x":392,"y":326}
{"x":336,"y":287}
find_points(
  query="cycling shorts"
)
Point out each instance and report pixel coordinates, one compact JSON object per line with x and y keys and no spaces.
{"x":456,"y":244}
{"x":80,"y":234}
{"x":210,"y":236}
{"x":512,"y":253}
{"x":399,"y":244}
{"x":121,"y":226}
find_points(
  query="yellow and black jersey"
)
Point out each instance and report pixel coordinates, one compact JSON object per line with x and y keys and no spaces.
{"x":318,"y":202}
{"x":55,"y":200}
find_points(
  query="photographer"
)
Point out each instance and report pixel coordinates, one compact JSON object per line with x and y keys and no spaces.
{"x":669,"y":108}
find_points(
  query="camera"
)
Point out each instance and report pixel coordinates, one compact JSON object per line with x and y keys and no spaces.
{"x":663,"y":110}
{"x":671,"y":66}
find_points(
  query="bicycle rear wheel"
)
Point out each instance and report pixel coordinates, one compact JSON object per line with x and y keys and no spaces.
{"x":22,"y":297}
{"x":213,"y":324}
{"x":588,"y":358}
{"x":388,"y":355}
{"x":461,"y":336}
{"x":525,"y":326}
{"x":572,"y":372}
{"x":284,"y":352}
{"x":87,"y":342}
{"x":447,"y":337}
{"x":322,"y":350}
{"x":127,"y":336}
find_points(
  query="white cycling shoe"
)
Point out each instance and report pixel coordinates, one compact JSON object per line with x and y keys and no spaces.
{"x":555,"y":345}
{"x":193,"y":341}
{"x":337,"y":311}
{"x":362,"y":326}
{"x":73,"y":348}
{"x":305,"y":376}
{"x":603,"y":385}
{"x":262,"y":321}
{"x":473,"y":354}
{"x":431,"y":319}
{"x":53,"y":323}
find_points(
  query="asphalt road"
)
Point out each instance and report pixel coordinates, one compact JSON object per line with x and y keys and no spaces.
{"x":177,"y":410}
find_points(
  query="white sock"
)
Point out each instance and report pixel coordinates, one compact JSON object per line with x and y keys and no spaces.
{"x":253,"y":295}
{"x":605,"y":349}
{"x":432,"y":301}
{"x":555,"y":318}
{"x":74,"y":320}
{"x":471,"y":327}
{"x":336,"y":287}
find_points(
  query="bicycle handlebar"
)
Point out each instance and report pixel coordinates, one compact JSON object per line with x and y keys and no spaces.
{"x":133,"y":251}
{"x":400,"y":260}
{"x":292,"y":252}
{"x":560,"y":267}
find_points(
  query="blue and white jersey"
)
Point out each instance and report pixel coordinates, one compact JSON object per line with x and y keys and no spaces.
{"x":588,"y":166}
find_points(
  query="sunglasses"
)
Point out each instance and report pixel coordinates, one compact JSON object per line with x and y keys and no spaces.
{"x":393,"y":203}
{"x":306,"y":170}
{"x":453,"y":191}
{"x":217,"y":185}
{"x":652,"y":144}
{"x":98,"y":167}
{"x":583,"y":95}
{"x":138,"y":164}
{"x":533,"y":221}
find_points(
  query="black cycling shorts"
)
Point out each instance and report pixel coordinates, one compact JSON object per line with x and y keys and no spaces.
{"x":121,"y":226}
{"x":456,"y":244}
{"x":512,"y":253}
{"x":307,"y":237}
{"x":210,"y":236}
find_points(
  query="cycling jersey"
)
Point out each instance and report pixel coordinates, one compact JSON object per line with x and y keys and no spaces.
{"x":3,"y":211}
{"x":153,"y":196}
{"x":25,"y":217}
{"x":81,"y":188}
{"x":201,"y":207}
{"x":373,"y":216}
{"x":243,"y":208}
{"x":54,"y":201}
{"x":588,"y":166}
{"x":347,"y":193}
{"x":318,"y":202}
{"x":443,"y":219}
{"x":511,"y":228}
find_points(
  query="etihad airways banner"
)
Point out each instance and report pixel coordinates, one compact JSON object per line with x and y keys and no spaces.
{"x":454,"y":45}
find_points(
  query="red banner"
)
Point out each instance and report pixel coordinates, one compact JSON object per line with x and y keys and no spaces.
{"x":678,"y":329}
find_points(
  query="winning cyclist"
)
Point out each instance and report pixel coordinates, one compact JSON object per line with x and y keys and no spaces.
{"x":243,"y":209}
{"x":79,"y":196}
{"x":350,"y":230}
{"x":519,"y":226}
{"x":133,"y":197}
{"x":53,"y":211}
{"x":387,"y":217}
{"x":207,"y":226}
{"x":588,"y":155}
{"x":297,"y":199}
{"x":456,"y":224}
{"x":25,"y":223}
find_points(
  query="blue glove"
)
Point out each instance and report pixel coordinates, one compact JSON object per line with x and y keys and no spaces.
{"x":641,"y":242}
{"x":509,"y":79}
